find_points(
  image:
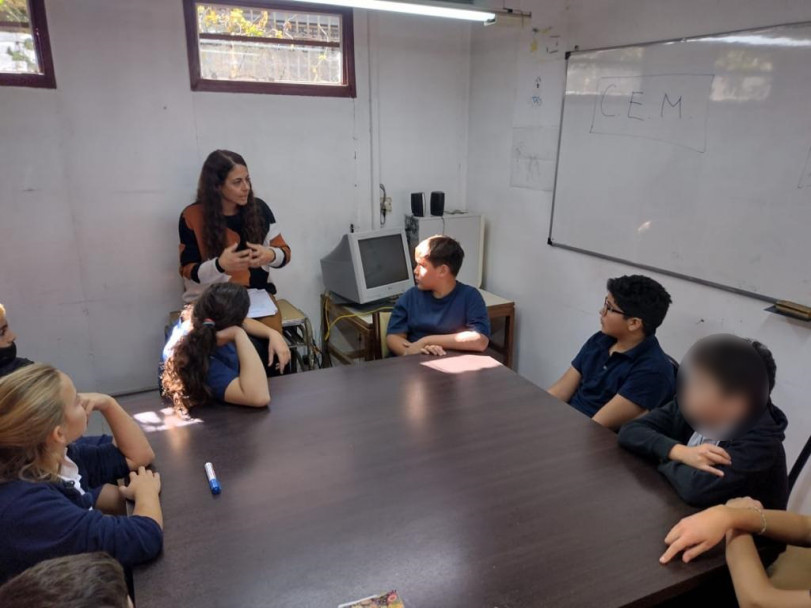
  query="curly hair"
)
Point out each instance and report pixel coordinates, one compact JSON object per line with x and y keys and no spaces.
{"x":212,"y":176}
{"x":185,"y":376}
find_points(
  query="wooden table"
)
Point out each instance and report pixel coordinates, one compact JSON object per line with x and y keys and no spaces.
{"x":359,"y":328}
{"x":452,"y":480}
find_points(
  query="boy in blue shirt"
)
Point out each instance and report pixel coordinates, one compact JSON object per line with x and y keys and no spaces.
{"x":621,"y":372}
{"x":440,"y":312}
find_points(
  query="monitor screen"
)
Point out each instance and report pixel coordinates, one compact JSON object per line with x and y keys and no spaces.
{"x":383,"y":260}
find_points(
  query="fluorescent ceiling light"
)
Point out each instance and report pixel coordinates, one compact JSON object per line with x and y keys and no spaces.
{"x":757,"y":40}
{"x":436,"y":9}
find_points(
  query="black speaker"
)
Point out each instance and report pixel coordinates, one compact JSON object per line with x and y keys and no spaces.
{"x":418,"y":204}
{"x":438,"y":203}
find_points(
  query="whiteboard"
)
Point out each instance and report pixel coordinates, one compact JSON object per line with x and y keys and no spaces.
{"x":693,"y":157}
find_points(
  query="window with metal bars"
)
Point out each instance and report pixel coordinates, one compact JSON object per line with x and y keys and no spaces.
{"x":270,"y":47}
{"x":25,"y":50}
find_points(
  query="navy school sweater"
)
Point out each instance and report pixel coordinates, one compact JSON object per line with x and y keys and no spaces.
{"x":41,"y":520}
{"x":758,"y":460}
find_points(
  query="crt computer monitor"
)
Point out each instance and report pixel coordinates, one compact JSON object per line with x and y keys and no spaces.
{"x":369,"y":266}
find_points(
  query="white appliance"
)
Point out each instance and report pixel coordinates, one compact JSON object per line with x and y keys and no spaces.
{"x":467,"y":228}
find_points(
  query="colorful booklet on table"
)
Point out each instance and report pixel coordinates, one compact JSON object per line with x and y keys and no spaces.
{"x":387,"y":600}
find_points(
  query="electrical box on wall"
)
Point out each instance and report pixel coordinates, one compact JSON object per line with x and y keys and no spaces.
{"x":467,"y":228}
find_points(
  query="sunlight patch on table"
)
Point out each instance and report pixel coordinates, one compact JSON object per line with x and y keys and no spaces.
{"x":462,"y":364}
{"x":163,"y":420}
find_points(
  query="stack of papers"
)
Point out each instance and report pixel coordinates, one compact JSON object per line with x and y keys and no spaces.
{"x":261,"y":304}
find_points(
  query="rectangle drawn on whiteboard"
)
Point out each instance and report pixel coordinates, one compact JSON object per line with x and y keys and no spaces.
{"x":666,"y":107}
{"x":532,"y":160}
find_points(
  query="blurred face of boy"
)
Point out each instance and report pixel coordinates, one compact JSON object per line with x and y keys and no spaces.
{"x":427,"y":276}
{"x":614,"y":323}
{"x":708,"y":408}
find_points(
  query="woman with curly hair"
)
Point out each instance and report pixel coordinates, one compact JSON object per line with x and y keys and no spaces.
{"x":228,"y":234}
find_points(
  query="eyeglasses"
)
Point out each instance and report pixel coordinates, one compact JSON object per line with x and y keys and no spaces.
{"x":608,"y":308}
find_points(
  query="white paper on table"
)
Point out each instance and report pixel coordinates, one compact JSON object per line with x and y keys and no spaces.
{"x":261,"y":304}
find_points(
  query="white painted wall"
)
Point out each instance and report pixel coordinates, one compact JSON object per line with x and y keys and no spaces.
{"x":423,"y":66}
{"x":94,"y":174}
{"x":559,"y":292}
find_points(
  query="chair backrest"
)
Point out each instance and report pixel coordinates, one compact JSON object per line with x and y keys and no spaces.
{"x":384,"y":331}
{"x":673,"y":362}
{"x":799,"y":464}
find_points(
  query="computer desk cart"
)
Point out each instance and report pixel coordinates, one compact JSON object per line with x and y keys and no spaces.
{"x":352,"y":333}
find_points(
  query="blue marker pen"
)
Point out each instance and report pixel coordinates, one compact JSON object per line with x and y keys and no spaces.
{"x":212,"y":479}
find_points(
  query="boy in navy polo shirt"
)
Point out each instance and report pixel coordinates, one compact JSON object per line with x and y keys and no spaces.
{"x":621,"y":372}
{"x":440,"y":312}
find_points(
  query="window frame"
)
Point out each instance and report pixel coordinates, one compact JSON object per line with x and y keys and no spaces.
{"x":42,"y":47}
{"x":198,"y":83}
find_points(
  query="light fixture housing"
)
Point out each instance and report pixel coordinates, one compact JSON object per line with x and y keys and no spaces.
{"x":447,"y":10}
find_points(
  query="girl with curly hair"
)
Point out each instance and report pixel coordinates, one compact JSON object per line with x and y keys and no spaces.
{"x":210,"y":354}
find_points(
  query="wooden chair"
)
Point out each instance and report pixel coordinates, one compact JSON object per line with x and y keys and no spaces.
{"x":383,"y":325}
{"x":298,"y":332}
{"x":799,"y":465}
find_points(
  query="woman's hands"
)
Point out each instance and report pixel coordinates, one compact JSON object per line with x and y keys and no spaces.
{"x":255,"y":256}
{"x":701,"y":532}
{"x":260,"y":256}
{"x":232,"y":261}
{"x":745,"y":503}
{"x":696,"y":534}
{"x":705,"y":457}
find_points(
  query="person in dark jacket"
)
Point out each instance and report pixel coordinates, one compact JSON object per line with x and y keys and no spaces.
{"x":722,"y":436}
{"x":9,"y":361}
{"x":48,"y":507}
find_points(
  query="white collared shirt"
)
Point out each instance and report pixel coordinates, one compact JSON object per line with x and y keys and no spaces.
{"x":699,"y":439}
{"x":69,"y":472}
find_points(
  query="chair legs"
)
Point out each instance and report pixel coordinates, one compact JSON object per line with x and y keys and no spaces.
{"x":300,"y":338}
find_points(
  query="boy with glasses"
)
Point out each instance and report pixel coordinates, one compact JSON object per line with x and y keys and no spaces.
{"x":621,"y":372}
